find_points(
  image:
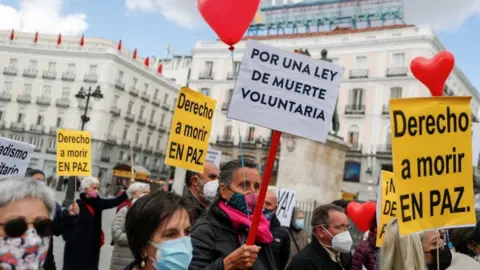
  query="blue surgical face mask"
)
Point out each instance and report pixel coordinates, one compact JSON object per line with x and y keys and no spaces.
{"x":173,"y":254}
{"x":268,"y":214}
{"x":300,"y":224}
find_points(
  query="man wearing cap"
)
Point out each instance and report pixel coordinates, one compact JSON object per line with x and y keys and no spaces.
{"x":62,"y":220}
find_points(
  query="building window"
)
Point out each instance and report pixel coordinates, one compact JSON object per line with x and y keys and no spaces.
{"x":52,"y":143}
{"x":93,"y":69}
{"x":38,"y":142}
{"x":360,"y":62}
{"x":229,"y":95}
{"x":7,"y":87}
{"x":162,"y":120}
{"x":251,"y":134}
{"x":142,"y":110}
{"x":165,"y":99}
{"x":125,"y":132}
{"x":396,"y":92}
{"x":111,"y":126}
{"x":205,"y":91}
{"x":137,"y":135}
{"x":20,"y":117}
{"x":52,"y":66}
{"x":134,"y":82}
{"x":13,"y":62}
{"x":17,"y":137}
{"x":27,"y":89}
{"x":208,"y":68}
{"x":71,"y":68}
{"x":59,"y":121}
{"x":129,"y":107}
{"x":120,"y":75}
{"x":174,"y":103}
{"x":353,"y":136}
{"x":228,"y":132}
{"x":155,"y":95}
{"x":356,"y":98}
{"x":32,"y":64}
{"x":47,"y":89}
{"x":388,"y":140}
{"x":152,"y":116}
{"x":147,"y":141}
{"x":115,"y":100}
{"x":66,"y":93}
{"x":1,"y":115}
{"x":237,"y":67}
{"x":145,"y":160}
{"x":121,"y":155}
{"x":145,"y":89}
{"x":40,"y":119}
{"x":398,"y":59}
{"x":159,"y":140}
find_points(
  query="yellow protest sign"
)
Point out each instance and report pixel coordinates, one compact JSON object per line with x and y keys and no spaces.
{"x":388,"y":205}
{"x":432,"y":161}
{"x":74,"y":151}
{"x":190,"y":131}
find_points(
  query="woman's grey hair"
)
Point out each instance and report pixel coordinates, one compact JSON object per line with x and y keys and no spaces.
{"x":88,"y":182}
{"x":227,"y":170}
{"x":136,"y":187}
{"x":19,"y":188}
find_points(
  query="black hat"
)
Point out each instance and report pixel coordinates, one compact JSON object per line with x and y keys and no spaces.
{"x":32,"y":172}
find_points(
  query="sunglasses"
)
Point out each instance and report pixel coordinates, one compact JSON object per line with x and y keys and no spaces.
{"x":16,"y":227}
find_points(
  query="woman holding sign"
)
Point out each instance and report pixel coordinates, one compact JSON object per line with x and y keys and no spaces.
{"x":219,"y":239}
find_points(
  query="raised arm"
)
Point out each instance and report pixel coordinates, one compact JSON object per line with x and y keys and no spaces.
{"x":110,"y":203}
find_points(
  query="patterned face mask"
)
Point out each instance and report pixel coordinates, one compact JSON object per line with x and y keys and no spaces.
{"x":27,"y":252}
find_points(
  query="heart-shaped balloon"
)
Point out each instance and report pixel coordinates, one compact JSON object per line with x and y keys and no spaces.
{"x":230,"y":19}
{"x":362,"y":214}
{"x":433,"y":73}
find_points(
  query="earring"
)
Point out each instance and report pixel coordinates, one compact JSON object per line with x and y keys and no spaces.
{"x":142,"y":264}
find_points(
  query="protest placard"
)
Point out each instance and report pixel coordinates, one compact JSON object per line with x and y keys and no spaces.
{"x":432,"y":155}
{"x":14,"y":157}
{"x":214,"y":156}
{"x":388,"y":205}
{"x":286,"y":203}
{"x":285,"y":91}
{"x":74,"y":153}
{"x":190,"y":130}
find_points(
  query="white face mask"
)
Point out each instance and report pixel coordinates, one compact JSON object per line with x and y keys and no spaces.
{"x":341,"y":242}
{"x":210,"y":190}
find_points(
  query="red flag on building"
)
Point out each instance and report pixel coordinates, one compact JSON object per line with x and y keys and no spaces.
{"x":119,"y":47}
{"x":12,"y":35}
{"x":35,"y":39}
{"x":82,"y":41}
{"x":147,"y":61}
{"x":59,"y":40}
{"x":160,"y":68}
{"x":135,"y":54}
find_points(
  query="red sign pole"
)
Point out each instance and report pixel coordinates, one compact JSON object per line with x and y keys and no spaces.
{"x":267,"y":173}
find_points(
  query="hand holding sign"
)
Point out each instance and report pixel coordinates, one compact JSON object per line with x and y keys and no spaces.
{"x":433,"y":72}
{"x":362,"y":214}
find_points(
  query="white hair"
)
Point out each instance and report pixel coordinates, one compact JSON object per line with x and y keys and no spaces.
{"x":88,"y":182}
{"x":19,"y":188}
{"x":135,"y":187}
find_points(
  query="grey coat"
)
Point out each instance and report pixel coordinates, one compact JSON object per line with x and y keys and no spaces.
{"x":121,"y":255}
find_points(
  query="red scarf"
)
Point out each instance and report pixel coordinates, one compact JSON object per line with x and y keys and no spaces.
{"x":240,"y":220}
{"x":102,"y":235}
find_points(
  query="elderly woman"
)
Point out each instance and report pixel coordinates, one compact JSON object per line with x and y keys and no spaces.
{"x":83,"y":241}
{"x":162,"y":241}
{"x":27,"y":208}
{"x":219,"y":238}
{"x":121,"y":255}
{"x":298,"y":236}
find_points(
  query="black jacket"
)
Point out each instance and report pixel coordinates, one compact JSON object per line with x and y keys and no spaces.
{"x":315,"y":257}
{"x":214,"y":238}
{"x":281,"y":243}
{"x":198,"y":207}
{"x":82,"y":246}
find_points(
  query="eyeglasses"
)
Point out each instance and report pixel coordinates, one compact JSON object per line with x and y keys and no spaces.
{"x":16,"y":227}
{"x":338,"y":227}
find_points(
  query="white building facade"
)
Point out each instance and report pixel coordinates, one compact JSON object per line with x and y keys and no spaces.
{"x":39,"y":83}
{"x":376,"y":63}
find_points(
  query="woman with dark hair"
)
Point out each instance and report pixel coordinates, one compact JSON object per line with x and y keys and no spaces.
{"x":365,"y":255}
{"x":467,"y":241}
{"x":219,"y":237}
{"x":158,"y":228}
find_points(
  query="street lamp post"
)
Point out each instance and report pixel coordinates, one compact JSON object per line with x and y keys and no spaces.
{"x":81,"y":95}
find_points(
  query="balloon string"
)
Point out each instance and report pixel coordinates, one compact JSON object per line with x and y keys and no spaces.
{"x":234,"y":72}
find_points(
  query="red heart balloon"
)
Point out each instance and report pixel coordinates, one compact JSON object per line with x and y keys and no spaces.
{"x":230,"y":19}
{"x":433,"y":73}
{"x":362,"y":214}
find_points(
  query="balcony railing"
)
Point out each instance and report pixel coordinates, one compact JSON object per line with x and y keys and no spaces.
{"x":126,"y":143}
{"x":152,"y":125}
{"x":68,"y":76}
{"x":355,"y":109}
{"x":384,"y":148}
{"x":385,"y":110}
{"x":2,"y":124}
{"x":205,"y":75}
{"x":397,"y":71}
{"x":24,"y":98}
{"x":10,"y":71}
{"x":165,"y":106}
{"x":90,"y":77}
{"x":53,"y":130}
{"x":231,"y":75}
{"x":83,"y":103}
{"x":141,"y":121}
{"x":43,"y":101}
{"x":133,"y":91}
{"x":358,"y":73}
{"x":111,"y":138}
{"x":17,"y":126}
{"x":162,"y":129}
{"x":145,"y":97}
{"x":39,"y":129}
{"x":114,"y":110}
{"x":156,"y":102}
{"x":49,"y":75}
{"x":30,"y":73}
{"x":105,"y":157}
{"x":137,"y":146}
{"x":6,"y":96}
{"x":119,"y":84}
{"x":356,"y":147}
{"x":129,"y":116}
{"x":62,"y":103}
{"x":226,"y":140}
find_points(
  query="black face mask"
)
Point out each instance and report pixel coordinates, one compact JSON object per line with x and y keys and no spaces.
{"x":445,"y":257}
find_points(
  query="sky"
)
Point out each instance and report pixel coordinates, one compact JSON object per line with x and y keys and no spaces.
{"x":151,"y":25}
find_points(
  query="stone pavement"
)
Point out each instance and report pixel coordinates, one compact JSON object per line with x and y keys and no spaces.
{"x":106,"y":250}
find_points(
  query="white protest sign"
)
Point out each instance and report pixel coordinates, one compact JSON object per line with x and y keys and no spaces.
{"x":475,"y":143}
{"x":214,"y":156}
{"x":14,"y":157}
{"x":285,"y":91}
{"x":286,"y":203}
